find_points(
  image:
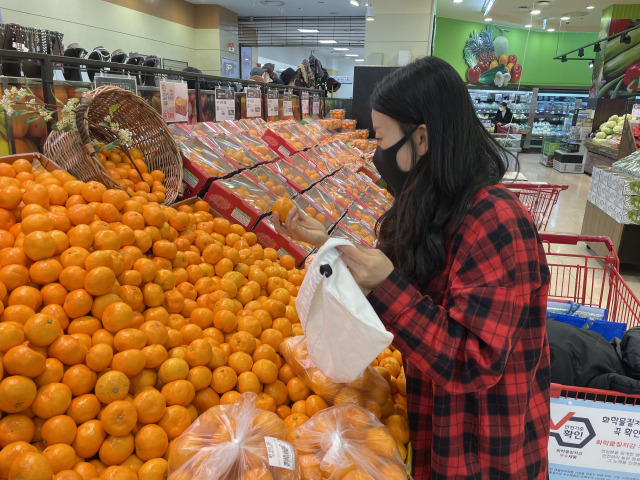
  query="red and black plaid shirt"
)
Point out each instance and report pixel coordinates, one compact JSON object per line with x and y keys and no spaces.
{"x":476,"y":350}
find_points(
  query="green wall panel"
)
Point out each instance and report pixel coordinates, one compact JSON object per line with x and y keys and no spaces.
{"x":538,"y":66}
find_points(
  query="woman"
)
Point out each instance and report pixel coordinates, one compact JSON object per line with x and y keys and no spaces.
{"x":503,"y":115}
{"x":460,"y":278}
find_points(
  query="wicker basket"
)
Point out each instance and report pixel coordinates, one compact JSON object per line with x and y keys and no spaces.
{"x":74,"y":151}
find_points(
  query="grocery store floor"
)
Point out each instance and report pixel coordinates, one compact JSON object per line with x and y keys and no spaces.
{"x":566,"y":217}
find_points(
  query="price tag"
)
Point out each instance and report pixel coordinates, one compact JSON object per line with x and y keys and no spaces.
{"x":635,"y":111}
{"x":125,"y":82}
{"x":225,"y":104}
{"x":316,"y":104}
{"x":287,"y":104}
{"x":304,"y":103}
{"x":498,"y":97}
{"x":281,"y":454}
{"x":254,"y":103}
{"x":272,"y":103}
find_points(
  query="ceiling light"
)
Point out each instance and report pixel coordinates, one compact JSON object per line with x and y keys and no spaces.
{"x":565,"y":18}
{"x":590,"y":7}
{"x":535,"y":12}
{"x":457,"y":1}
{"x":591,"y":64}
{"x":551,"y":29}
{"x":308,"y":30}
{"x":341,"y":49}
{"x":596,"y":47}
{"x":351,"y":55}
{"x":355,"y":3}
{"x":486,"y":7}
{"x":272,"y":3}
{"x":327,"y":41}
{"x":362,"y":59}
{"x":488,"y":19}
{"x":581,"y":52}
{"x":528,"y":25}
{"x":370,"y":15}
{"x":564,"y":58}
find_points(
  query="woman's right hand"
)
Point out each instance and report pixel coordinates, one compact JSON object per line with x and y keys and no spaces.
{"x":301,"y":227}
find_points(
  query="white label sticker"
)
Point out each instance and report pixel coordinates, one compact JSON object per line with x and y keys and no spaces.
{"x":304,"y":103}
{"x":225,"y":104}
{"x":316,"y":105}
{"x":272,"y":103}
{"x":240,"y":216}
{"x":287,"y":104}
{"x":281,"y":454}
{"x":254,"y":103}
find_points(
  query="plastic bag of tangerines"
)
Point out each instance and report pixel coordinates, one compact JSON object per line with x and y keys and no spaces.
{"x":123,"y":320}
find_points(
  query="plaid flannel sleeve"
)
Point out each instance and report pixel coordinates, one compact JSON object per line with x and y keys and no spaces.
{"x":463,"y":345}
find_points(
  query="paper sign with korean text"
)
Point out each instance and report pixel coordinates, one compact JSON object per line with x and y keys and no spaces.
{"x":287,"y":104}
{"x":254,"y":103}
{"x":304,"y":103}
{"x":594,"y":440}
{"x":174,"y":101}
{"x":316,"y":104}
{"x":225,"y":104}
{"x":272,"y":103}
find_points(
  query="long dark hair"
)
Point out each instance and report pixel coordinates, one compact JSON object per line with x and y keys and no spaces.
{"x":462,"y":158}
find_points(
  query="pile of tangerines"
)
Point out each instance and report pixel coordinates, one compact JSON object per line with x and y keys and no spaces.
{"x":122,"y":320}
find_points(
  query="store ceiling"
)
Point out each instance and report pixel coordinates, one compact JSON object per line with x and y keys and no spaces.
{"x":317,"y":31}
{"x":517,"y":12}
{"x":294,"y":8}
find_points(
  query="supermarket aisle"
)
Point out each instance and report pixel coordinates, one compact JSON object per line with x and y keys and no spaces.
{"x":568,"y":213}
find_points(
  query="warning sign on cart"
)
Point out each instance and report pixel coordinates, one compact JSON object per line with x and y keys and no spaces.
{"x":594,"y":440}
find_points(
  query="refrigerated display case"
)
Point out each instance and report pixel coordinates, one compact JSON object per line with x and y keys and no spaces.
{"x":487,"y":102}
{"x":552,"y":113}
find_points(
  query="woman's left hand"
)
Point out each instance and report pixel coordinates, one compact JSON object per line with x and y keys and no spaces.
{"x":369,"y":267}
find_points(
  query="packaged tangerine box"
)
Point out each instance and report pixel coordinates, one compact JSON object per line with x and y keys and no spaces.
{"x":281,"y":146}
{"x":202,"y":165}
{"x":294,"y":176}
{"x":240,"y":199}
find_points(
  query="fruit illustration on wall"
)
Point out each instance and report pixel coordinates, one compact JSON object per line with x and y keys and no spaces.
{"x":489,"y":59}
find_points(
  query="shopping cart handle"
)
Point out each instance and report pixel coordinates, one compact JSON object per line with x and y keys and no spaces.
{"x":533,"y":186}
{"x":571,"y":239}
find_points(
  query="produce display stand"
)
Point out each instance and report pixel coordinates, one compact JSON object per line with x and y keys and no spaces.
{"x":539,"y":199}
{"x":625,"y":238}
{"x":605,"y":155}
{"x":592,"y":280}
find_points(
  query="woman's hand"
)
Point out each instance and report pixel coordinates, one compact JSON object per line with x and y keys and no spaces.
{"x":301,"y":227}
{"x":369,"y":267}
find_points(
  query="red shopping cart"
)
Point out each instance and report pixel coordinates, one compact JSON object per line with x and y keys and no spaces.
{"x":538,"y":198}
{"x":579,"y":276}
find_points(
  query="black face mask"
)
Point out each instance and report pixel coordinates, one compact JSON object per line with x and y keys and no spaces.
{"x":386,"y":162}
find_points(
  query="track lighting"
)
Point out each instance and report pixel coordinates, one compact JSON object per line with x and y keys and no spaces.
{"x":564,"y":58}
{"x":596,"y":47}
{"x":581,"y":52}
